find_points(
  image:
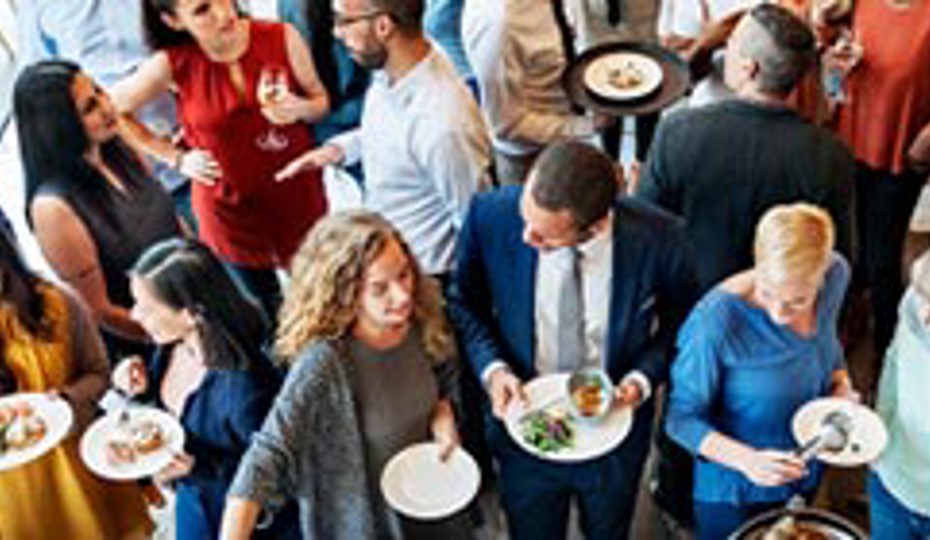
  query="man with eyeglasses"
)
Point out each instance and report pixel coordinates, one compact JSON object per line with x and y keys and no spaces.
{"x":423,"y":145}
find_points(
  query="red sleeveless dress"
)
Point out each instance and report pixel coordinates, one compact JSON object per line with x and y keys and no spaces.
{"x":246,"y":217}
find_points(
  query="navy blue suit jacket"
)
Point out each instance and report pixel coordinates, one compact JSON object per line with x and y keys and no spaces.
{"x":493,"y":293}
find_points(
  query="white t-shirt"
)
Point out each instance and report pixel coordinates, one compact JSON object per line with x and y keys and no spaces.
{"x":687,"y":16}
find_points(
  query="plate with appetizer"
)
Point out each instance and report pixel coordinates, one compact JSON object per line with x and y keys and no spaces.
{"x":569,"y":417}
{"x":623,"y":75}
{"x":132,"y":443}
{"x":626,"y":79}
{"x":31,"y":424}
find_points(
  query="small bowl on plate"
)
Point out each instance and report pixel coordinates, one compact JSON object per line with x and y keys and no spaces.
{"x":590,"y":394}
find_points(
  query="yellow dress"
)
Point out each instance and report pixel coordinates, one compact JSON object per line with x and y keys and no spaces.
{"x":56,"y":497}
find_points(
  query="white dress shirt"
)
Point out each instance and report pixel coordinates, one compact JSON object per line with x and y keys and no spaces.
{"x":425,"y":150}
{"x":596,"y":265}
{"x":515,"y":50}
{"x":589,"y":19}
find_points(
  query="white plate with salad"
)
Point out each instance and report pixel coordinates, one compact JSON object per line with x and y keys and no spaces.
{"x":548,"y":429}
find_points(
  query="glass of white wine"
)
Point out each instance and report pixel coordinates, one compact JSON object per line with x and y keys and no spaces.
{"x":272,"y":86}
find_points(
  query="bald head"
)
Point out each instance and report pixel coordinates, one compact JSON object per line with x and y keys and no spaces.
{"x":777,"y":47}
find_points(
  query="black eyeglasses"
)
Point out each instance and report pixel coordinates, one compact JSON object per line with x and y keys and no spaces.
{"x":341,"y":20}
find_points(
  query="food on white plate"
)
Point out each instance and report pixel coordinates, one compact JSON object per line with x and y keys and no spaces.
{"x":588,"y":398}
{"x":626,"y":76}
{"x":134,"y":440}
{"x":147,"y":437}
{"x":20,"y":427}
{"x":787,"y":528}
{"x":548,"y":431}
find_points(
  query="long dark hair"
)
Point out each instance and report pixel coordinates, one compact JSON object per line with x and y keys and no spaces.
{"x":53,"y":142}
{"x":19,"y":289}
{"x":159,"y":35}
{"x":185,"y":274}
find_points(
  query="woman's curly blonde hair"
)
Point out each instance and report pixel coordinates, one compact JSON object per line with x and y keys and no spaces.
{"x":326,"y":283}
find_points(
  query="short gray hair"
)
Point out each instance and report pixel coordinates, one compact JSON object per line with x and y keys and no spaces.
{"x":783,"y":46}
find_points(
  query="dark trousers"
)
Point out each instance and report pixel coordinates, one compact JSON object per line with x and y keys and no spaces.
{"x":645,"y":129}
{"x":536,"y":495}
{"x":884,"y":203}
{"x":262,"y":285}
{"x":891,"y":520}
{"x":199,"y":513}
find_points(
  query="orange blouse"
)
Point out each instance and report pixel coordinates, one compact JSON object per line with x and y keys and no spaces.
{"x":889,"y":91}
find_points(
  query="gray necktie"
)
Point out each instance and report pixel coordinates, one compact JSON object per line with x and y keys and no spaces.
{"x":571,"y":344}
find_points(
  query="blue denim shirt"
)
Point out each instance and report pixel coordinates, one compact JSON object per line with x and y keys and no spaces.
{"x":443,"y":22}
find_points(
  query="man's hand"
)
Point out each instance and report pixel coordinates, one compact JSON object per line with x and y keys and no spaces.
{"x":628,"y":394}
{"x":328,"y":154}
{"x":504,"y":387}
{"x":918,"y":155}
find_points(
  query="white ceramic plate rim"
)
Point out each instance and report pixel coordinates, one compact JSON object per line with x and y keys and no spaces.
{"x":595,"y":75}
{"x":93,"y":445}
{"x":457,"y":494}
{"x":58,"y":418}
{"x":613,"y":428}
{"x":868,"y":430}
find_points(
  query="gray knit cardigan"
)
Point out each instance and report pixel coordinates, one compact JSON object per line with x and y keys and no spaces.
{"x":310,"y":449}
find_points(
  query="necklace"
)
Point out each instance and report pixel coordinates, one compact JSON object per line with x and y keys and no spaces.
{"x":900,"y":4}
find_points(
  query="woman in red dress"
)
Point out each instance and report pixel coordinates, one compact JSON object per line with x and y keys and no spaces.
{"x":244,"y":89}
{"x":885,"y":119}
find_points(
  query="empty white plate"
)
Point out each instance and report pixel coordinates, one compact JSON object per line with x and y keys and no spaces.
{"x":416,"y":483}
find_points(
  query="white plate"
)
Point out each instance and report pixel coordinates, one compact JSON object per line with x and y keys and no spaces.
{"x":597,"y":75}
{"x":867,"y":436}
{"x":417,"y":484}
{"x":95,"y":439}
{"x":58,"y":417}
{"x":592,"y":440}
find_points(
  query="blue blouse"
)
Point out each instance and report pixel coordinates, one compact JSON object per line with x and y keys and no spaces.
{"x":220,"y":416}
{"x":741,"y":374}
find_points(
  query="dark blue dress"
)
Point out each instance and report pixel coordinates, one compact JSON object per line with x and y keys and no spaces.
{"x":219,"y":418}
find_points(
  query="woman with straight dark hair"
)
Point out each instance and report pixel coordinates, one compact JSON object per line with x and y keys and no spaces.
{"x":49,"y":343}
{"x":92,"y":203}
{"x":244,"y":89}
{"x":209,"y":371}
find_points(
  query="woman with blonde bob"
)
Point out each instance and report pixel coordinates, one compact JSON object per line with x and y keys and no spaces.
{"x":371,"y":356}
{"x":755,"y":349}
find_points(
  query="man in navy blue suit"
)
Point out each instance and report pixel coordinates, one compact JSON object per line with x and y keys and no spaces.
{"x":518,"y":250}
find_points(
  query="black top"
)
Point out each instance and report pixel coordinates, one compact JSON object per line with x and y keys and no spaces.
{"x":138,"y":218}
{"x":722,"y":166}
